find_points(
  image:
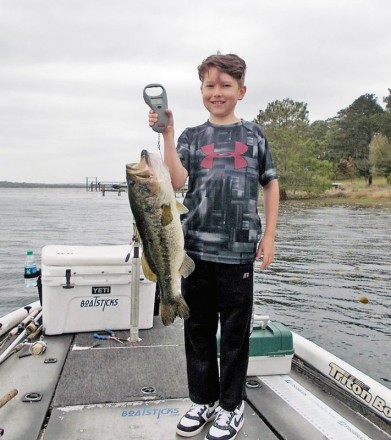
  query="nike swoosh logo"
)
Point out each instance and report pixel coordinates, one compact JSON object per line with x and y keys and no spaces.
{"x":237,"y":421}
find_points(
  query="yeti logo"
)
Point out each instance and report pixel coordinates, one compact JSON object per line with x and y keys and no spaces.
{"x":104,"y":290}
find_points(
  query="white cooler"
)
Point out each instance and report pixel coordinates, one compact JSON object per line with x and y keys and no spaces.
{"x":88,"y":288}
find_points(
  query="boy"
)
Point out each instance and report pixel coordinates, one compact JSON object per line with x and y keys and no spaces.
{"x":224,"y":160}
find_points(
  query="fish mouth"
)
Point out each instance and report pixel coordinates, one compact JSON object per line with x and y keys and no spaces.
{"x":137,"y":171}
{"x":143,"y":173}
{"x":145,"y":157}
{"x":140,"y":170}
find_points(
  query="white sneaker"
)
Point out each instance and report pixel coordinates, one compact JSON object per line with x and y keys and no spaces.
{"x":195,"y":419}
{"x":227,"y":424}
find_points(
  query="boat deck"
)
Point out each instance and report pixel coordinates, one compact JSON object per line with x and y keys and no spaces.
{"x":138,"y":391}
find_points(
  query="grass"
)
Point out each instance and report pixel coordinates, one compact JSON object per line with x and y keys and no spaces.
{"x":352,"y":192}
{"x":357,"y":190}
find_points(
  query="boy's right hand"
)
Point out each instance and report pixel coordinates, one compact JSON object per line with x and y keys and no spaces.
{"x":153,"y":117}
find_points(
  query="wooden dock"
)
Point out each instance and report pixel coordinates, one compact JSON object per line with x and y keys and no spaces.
{"x":118,"y":187}
{"x":92,"y":184}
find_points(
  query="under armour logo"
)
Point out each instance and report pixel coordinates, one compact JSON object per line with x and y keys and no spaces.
{"x":246,"y":275}
{"x":211,"y":154}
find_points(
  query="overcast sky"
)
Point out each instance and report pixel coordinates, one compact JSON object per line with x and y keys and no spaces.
{"x":72,"y":71}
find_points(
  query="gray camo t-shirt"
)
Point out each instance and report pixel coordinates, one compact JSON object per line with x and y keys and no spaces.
{"x":226,"y":164}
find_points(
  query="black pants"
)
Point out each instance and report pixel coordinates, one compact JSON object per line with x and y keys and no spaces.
{"x":216,"y":290}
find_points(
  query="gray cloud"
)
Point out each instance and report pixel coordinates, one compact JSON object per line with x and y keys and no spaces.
{"x":72,"y":72}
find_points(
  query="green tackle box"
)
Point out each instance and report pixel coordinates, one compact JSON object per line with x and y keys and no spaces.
{"x":271,"y":348}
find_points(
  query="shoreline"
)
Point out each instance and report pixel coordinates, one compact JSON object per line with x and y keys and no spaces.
{"x":6,"y":184}
{"x":353,"y":193}
{"x":350,"y":193}
{"x":339,"y":201}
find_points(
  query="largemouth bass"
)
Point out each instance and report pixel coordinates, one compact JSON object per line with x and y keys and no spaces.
{"x":156,"y":213}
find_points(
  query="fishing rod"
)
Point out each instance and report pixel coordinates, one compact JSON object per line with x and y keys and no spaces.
{"x":14,"y":318}
{"x":5,"y":399}
{"x":35,"y":348}
{"x":11,"y":349}
{"x":19,"y":327}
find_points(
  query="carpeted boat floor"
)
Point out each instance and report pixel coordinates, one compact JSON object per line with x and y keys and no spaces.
{"x":101,"y":371}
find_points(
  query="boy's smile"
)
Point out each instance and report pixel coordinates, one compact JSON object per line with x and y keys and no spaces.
{"x":220,"y":94}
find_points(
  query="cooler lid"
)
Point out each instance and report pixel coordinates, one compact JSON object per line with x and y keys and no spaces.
{"x":69,"y":256}
{"x":274,"y":340}
{"x":85,"y":271}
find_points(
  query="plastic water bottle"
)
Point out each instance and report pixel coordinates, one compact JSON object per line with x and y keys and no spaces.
{"x":30,"y":270}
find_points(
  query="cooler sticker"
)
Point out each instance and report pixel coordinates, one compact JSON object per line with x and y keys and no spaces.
{"x":104,"y":290}
{"x":99,"y":303}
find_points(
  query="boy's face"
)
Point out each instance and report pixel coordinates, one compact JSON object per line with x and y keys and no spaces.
{"x":220,"y":94}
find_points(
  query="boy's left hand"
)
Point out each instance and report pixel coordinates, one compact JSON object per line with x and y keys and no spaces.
{"x":266,"y":250}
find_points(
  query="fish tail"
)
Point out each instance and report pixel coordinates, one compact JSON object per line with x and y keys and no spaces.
{"x":176,"y":308}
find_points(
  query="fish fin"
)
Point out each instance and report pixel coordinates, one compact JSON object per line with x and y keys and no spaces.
{"x":176,"y":308}
{"x":187,"y":266}
{"x":136,"y":234}
{"x":166,"y":215}
{"x":181,"y":208}
{"x":149,"y":274}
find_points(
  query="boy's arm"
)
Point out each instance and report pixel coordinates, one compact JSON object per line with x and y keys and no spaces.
{"x":178,"y":172}
{"x":271,"y":201}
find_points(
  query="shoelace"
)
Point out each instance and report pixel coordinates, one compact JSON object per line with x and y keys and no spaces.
{"x":196,"y":409}
{"x":224,"y":417}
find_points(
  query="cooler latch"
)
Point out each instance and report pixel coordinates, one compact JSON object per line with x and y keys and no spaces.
{"x":261,"y":320}
{"x":68,"y":284}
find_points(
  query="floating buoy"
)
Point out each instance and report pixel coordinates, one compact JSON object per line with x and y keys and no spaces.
{"x":294,"y":279}
{"x":363,"y":300}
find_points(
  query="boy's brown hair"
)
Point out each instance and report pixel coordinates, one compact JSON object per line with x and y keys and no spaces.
{"x":229,"y":63}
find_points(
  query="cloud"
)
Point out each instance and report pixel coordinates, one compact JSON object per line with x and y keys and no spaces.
{"x":72,"y":72}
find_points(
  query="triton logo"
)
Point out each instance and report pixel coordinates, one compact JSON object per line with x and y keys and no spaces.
{"x":101,"y":290}
{"x":211,"y":154}
{"x":360,"y":389}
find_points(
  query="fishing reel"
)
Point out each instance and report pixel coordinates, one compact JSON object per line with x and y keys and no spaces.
{"x":37,"y":348}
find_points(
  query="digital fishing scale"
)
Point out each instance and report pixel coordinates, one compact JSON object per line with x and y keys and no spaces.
{"x":158,"y":104}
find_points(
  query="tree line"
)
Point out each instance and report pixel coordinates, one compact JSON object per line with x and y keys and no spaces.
{"x":308,"y":156}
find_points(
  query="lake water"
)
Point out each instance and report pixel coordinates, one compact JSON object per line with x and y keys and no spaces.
{"x":326,"y":259}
